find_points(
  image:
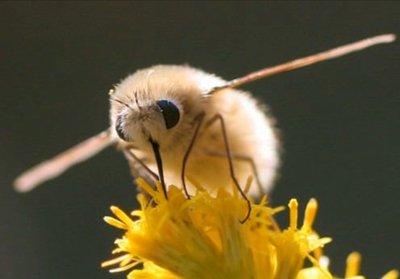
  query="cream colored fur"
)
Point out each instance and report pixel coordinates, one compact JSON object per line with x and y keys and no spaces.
{"x":250,"y":131}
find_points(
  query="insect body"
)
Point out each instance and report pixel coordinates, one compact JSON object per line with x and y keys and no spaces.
{"x":162,"y":106}
{"x":177,"y":122}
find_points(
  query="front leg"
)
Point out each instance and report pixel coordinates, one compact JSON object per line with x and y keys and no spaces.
{"x":199,"y":121}
{"x":139,"y":168}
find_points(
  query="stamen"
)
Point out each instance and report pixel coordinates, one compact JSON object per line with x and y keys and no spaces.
{"x":310,"y":213}
{"x":115,"y":261}
{"x":123,"y":268}
{"x":114,"y":222}
{"x":122,"y":216}
{"x":116,"y":251}
{"x":353,"y":264}
{"x":293,"y":207}
{"x":393,"y":274}
{"x":141,"y":183}
{"x":195,"y":183}
{"x":126,"y":261}
{"x":142,"y":199}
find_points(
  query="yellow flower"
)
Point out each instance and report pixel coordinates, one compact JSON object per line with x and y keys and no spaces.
{"x":202,"y":237}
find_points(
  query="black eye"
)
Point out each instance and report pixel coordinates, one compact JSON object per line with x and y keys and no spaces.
{"x":119,"y":128}
{"x":170,"y":112}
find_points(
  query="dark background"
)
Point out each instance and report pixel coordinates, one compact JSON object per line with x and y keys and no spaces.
{"x":339,"y":119}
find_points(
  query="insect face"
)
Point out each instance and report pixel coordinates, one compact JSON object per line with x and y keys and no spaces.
{"x":157,"y":104}
{"x":138,"y":124}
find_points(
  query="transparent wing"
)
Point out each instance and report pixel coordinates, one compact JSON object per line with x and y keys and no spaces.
{"x":56,"y":166}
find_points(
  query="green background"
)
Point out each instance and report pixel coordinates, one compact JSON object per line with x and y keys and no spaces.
{"x":339,"y":119}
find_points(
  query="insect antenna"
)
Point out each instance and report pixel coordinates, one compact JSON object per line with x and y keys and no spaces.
{"x":136,"y":101}
{"x":121,"y":102}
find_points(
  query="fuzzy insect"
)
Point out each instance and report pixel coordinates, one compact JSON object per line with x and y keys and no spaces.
{"x":179,"y":125}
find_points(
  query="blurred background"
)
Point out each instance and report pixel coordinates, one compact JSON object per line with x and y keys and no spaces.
{"x":339,"y":119}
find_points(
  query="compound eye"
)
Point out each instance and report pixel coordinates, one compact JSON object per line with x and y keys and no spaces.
{"x":119,"y":128}
{"x":170,"y":113}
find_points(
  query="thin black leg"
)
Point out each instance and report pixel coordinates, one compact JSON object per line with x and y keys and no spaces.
{"x":132,"y":156}
{"x":199,"y":119}
{"x":229,"y":157}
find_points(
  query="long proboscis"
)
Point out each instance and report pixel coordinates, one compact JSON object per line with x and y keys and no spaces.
{"x":308,"y":60}
{"x":54,"y":167}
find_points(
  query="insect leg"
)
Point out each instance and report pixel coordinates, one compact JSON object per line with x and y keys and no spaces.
{"x":199,"y":119}
{"x":140,"y":169}
{"x":245,"y":158}
{"x":229,"y":157}
{"x":129,"y":153}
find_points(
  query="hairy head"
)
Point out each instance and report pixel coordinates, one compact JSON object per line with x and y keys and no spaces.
{"x":159,"y":104}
